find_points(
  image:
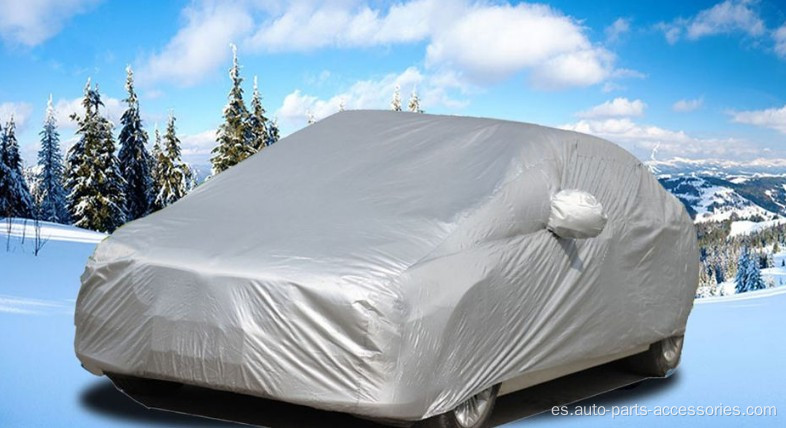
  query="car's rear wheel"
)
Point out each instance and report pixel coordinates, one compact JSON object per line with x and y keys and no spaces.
{"x":475,"y":412}
{"x":660,"y":360}
{"x":142,"y":386}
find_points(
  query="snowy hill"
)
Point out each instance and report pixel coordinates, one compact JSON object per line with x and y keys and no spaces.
{"x":25,"y":229}
{"x":717,"y":167}
{"x":709,"y":198}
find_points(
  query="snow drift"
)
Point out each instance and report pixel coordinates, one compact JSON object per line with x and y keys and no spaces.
{"x":390,"y":265}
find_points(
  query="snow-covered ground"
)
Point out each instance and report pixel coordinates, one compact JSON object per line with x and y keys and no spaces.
{"x":733,"y":355}
{"x":22,"y":228}
{"x":746,"y":227}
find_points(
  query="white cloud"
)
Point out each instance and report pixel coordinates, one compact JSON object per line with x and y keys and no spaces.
{"x":32,"y":22}
{"x":113,"y":110}
{"x":20,"y":111}
{"x":779,"y":36}
{"x":774,"y":118}
{"x":687,"y":105}
{"x":200,"y":46}
{"x":619,"y":27}
{"x":310,"y":25}
{"x":618,"y":107}
{"x":198,"y":144}
{"x":491,"y":42}
{"x":481,"y":41}
{"x":642,"y":139}
{"x":730,"y":16}
{"x":433,"y":90}
{"x":611,"y":87}
{"x":726,"y":17}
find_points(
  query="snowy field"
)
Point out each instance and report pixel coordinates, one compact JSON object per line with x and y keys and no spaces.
{"x":734,"y":355}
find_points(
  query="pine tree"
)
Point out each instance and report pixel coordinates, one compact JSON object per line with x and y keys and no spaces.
{"x":414,"y":102}
{"x":96,"y":198}
{"x":272,"y":131}
{"x":156,"y":164}
{"x":755,"y":281}
{"x":232,"y":135}
{"x":133,"y":156}
{"x":15,"y":198}
{"x":174,"y":175}
{"x":743,"y":271}
{"x":395,"y":103}
{"x":50,"y":196}
{"x":748,"y":272}
{"x":257,"y":122}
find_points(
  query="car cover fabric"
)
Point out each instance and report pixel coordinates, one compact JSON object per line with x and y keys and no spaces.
{"x":576,"y":214}
{"x":391,"y":265}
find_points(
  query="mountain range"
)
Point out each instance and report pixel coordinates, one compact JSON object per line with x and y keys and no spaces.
{"x":717,"y":190}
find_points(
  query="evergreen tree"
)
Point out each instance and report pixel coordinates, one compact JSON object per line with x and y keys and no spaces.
{"x":133,"y":156}
{"x":156,"y":163}
{"x":414,"y":102}
{"x":257,"y":122}
{"x":50,"y":196}
{"x":743,"y":271}
{"x":748,"y":272}
{"x":755,"y":281}
{"x":15,"y":198}
{"x":96,"y":198}
{"x":76,"y":161}
{"x":174,"y":175}
{"x":232,"y":135}
{"x":395,"y":103}
{"x":272,"y":131}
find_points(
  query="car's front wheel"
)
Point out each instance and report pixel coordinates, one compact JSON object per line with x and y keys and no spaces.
{"x":660,"y":360}
{"x":475,"y":412}
{"x":142,"y":386}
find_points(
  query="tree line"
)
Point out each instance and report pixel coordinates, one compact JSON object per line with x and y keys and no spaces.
{"x":737,"y":260}
{"x":100,"y":188}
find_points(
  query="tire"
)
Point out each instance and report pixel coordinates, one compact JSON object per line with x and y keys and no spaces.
{"x":660,"y":360}
{"x":143,"y":386}
{"x":463,"y":415}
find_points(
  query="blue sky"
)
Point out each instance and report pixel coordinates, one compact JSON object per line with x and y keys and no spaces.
{"x":699,"y":79}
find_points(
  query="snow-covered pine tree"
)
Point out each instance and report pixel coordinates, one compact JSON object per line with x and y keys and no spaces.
{"x":133,"y":156}
{"x":414,"y":102}
{"x":76,"y":164}
{"x":272,"y":131}
{"x":156,"y":164}
{"x":743,"y":271}
{"x":755,"y":281}
{"x":50,"y":196}
{"x":174,"y":175}
{"x":257,"y":122}
{"x":96,"y":200}
{"x":15,"y":197}
{"x":232,"y":135}
{"x":395,"y":103}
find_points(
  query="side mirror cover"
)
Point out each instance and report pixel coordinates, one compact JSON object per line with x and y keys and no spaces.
{"x":576,"y":214}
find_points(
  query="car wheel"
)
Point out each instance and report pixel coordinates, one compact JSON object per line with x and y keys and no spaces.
{"x":142,"y":386}
{"x":475,"y":412}
{"x":660,"y":360}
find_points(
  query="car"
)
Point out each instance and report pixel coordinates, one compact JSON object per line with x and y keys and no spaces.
{"x":397,"y":266}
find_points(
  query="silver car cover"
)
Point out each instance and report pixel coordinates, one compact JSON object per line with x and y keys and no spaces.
{"x":390,"y":264}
